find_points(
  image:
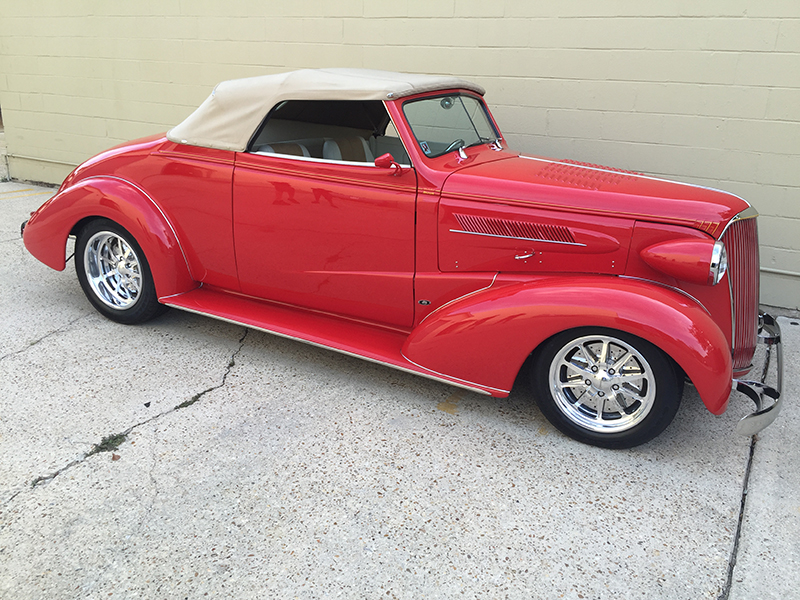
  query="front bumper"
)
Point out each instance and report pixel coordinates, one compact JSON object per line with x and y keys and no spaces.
{"x":769,"y":333}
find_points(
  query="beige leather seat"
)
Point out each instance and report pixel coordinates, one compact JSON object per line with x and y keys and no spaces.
{"x":354,"y":149}
{"x":285,"y":148}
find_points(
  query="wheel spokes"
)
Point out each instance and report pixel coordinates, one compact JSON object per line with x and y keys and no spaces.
{"x":602,"y":384}
{"x":113,"y":270}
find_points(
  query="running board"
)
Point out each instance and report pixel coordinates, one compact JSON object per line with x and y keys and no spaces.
{"x":354,"y":338}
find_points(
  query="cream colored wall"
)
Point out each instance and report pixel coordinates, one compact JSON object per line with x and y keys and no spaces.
{"x":706,"y":92}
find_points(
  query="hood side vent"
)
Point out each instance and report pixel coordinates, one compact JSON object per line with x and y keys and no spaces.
{"x":514,"y":229}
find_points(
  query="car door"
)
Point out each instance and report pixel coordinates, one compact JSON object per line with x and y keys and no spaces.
{"x":326,"y":233}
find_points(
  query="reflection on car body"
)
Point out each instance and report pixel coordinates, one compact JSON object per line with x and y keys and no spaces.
{"x":383,"y":215}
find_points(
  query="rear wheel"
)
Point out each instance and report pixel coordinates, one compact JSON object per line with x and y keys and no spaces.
{"x":114,"y":273}
{"x":605,"y":387}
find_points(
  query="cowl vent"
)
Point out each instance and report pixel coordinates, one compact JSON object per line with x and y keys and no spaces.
{"x":584,"y":175}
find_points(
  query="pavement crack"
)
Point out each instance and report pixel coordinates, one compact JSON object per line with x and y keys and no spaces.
{"x":108,"y":444}
{"x":11,"y":497}
{"x":61,"y":329}
{"x":726,"y":591}
{"x":111,"y":442}
{"x":231,"y":364}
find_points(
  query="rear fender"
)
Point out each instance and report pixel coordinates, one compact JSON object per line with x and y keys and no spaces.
{"x":124,"y":203}
{"x":486,"y":337}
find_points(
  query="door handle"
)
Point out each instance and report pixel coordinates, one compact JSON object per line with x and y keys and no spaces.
{"x":524,"y":256}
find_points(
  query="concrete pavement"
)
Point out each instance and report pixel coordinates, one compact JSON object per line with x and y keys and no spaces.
{"x":251,"y":466}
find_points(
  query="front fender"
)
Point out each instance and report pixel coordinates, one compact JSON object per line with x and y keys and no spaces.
{"x":46,"y":232}
{"x":485,"y":338}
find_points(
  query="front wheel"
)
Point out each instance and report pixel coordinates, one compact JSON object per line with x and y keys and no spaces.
{"x":604,"y":387}
{"x":114,"y":273}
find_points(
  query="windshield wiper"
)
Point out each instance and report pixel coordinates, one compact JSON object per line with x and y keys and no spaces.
{"x":493,"y":142}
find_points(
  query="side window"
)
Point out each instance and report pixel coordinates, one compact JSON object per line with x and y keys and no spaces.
{"x":341,"y":130}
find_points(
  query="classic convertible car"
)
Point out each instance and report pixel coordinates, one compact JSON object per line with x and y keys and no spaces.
{"x":383,"y":215}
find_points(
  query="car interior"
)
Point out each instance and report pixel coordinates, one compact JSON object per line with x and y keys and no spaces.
{"x":337,"y":130}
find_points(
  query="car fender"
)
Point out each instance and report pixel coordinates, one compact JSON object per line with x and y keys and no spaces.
{"x":126,"y":204}
{"x":485,"y":338}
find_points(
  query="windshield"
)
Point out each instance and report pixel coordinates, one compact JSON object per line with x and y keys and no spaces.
{"x":446,"y":123}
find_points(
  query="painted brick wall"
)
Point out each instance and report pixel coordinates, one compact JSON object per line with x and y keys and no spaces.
{"x":706,"y":92}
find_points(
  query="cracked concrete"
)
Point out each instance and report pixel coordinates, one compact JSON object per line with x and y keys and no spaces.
{"x":726,"y":590}
{"x":97,"y":448}
{"x":101,"y":385}
{"x":231,"y":364}
{"x":33,"y":343}
{"x":298,"y":472}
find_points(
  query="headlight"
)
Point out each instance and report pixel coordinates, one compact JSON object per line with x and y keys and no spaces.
{"x":719,"y":263}
{"x":699,"y":261}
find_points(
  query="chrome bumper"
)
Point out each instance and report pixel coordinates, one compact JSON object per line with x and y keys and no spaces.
{"x":769,"y":333}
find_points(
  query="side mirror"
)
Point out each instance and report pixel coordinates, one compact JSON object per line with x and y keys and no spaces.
{"x":384,"y":161}
{"x":387,"y":161}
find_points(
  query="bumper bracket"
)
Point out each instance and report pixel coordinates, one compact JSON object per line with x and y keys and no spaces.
{"x":766,"y":398}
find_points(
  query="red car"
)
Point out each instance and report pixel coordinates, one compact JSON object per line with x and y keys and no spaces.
{"x":383,"y":215}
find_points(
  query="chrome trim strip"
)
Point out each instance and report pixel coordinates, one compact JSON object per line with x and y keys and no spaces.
{"x":326,"y":161}
{"x":163,"y":299}
{"x":639,"y":175}
{"x":511,"y":237}
{"x":464,"y":384}
{"x":454,"y":381}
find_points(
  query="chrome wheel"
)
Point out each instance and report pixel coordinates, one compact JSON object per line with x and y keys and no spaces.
{"x":602,"y":383}
{"x":113,"y":270}
{"x":605,"y":387}
{"x":114,"y":273}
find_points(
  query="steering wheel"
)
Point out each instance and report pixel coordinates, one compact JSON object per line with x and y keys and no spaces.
{"x":454,"y":145}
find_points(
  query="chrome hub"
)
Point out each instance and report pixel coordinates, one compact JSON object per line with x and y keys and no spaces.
{"x":113,"y":270}
{"x":602,"y":383}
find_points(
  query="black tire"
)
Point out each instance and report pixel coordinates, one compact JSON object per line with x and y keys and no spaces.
{"x":114,"y":273}
{"x":605,"y":387}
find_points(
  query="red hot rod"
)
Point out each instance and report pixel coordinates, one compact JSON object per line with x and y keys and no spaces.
{"x":383,"y":215}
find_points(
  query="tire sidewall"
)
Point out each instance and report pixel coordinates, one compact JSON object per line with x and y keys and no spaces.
{"x":147,"y":306}
{"x":665,"y":404}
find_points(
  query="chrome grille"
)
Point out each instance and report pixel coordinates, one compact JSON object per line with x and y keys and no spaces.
{"x":741,"y":242}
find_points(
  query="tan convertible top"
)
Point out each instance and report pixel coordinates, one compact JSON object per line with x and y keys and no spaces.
{"x":235,"y":108}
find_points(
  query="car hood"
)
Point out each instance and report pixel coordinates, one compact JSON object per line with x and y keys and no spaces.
{"x":564,"y":185}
